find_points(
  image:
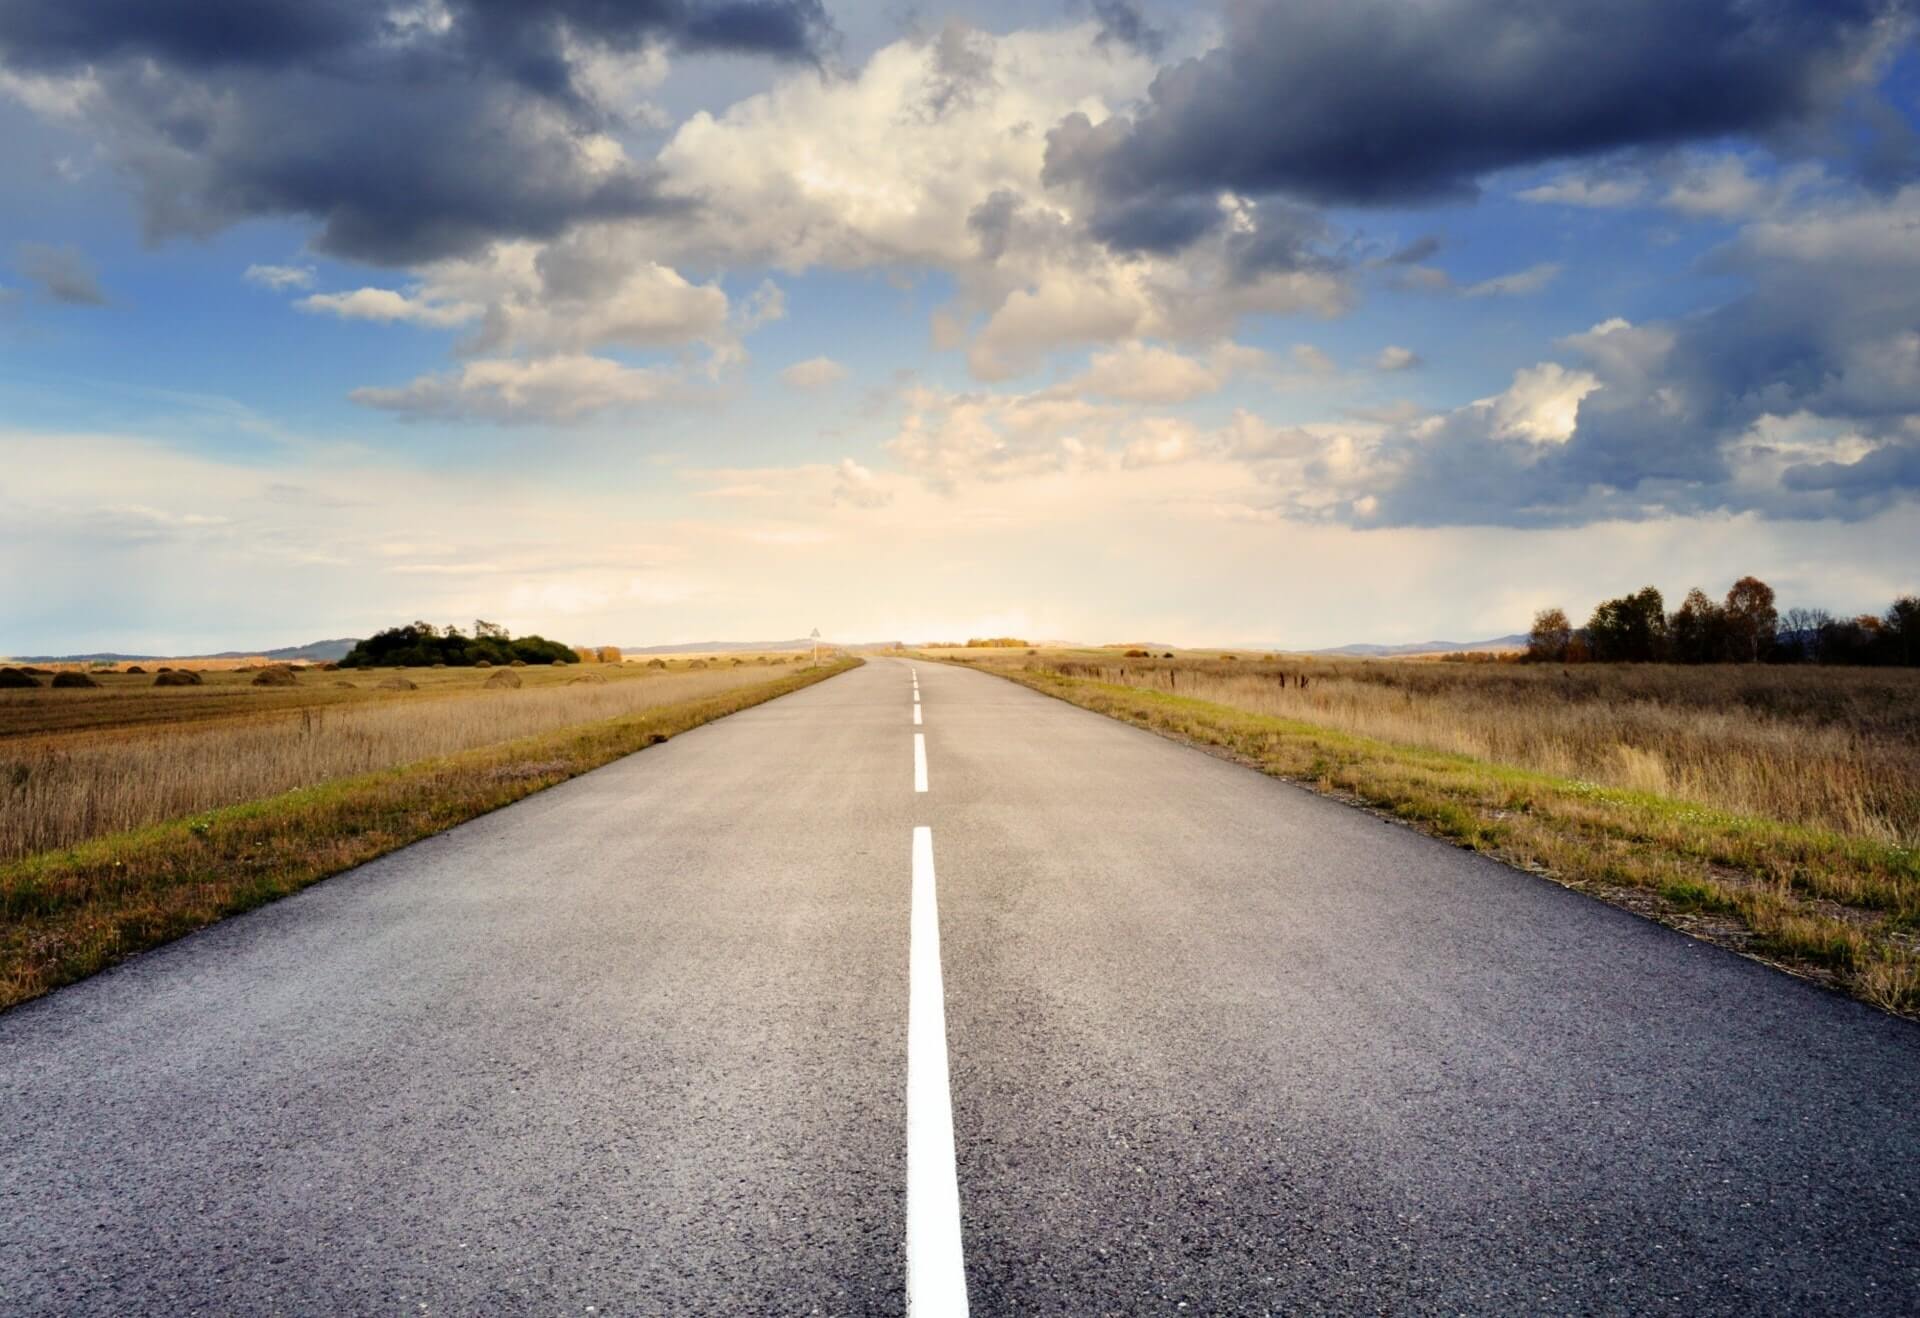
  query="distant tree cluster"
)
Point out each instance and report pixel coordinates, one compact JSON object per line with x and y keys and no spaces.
{"x":422,"y":645}
{"x":996,"y":643}
{"x":1743,"y":628}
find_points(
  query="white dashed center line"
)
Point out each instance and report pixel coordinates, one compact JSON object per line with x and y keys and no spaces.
{"x":919,"y":761}
{"x":936,"y":1271}
{"x":916,"y":716}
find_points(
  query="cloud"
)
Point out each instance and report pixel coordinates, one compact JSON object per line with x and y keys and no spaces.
{"x":406,"y":134}
{"x":1146,"y":373}
{"x":1377,"y":102}
{"x":385,"y":305}
{"x":1590,"y":191}
{"x":63,"y":273}
{"x":1393,"y":357}
{"x":551,"y":390}
{"x":813,"y":374}
{"x":280,"y":278}
{"x":1520,"y":283}
{"x":1122,"y":21}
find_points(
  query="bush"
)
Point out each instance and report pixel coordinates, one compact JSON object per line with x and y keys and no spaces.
{"x":422,"y":645}
{"x":73,"y":680}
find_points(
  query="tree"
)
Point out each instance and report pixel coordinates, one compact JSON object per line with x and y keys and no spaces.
{"x":1697,"y":631}
{"x":1751,"y":621}
{"x":1631,"y":629}
{"x":1900,"y":631}
{"x":1799,"y":636}
{"x":1547,"y":642}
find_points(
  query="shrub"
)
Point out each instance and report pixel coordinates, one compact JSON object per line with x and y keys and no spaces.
{"x":71,"y":679}
{"x":16,"y":679}
{"x":176,"y":677}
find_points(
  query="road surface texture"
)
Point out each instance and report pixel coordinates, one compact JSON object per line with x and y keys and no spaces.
{"x":1215,"y":1045}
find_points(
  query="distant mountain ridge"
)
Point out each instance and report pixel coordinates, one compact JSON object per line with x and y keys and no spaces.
{"x":756,"y":647}
{"x":313,"y":652}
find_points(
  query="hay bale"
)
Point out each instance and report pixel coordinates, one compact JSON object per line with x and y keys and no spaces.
{"x":274,"y":675}
{"x":440,"y":665}
{"x":397,"y":684}
{"x":698,"y":663}
{"x":518,"y":663}
{"x":15,"y":679}
{"x":31,"y":671}
{"x":176,"y":677}
{"x":73,"y":680}
{"x":591,"y":679}
{"x":483,"y":663}
{"x":330,"y":667}
{"x":135,"y":668}
{"x":656,"y":663}
{"x":506,"y":679}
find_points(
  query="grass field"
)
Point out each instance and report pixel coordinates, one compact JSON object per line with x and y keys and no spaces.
{"x":131,"y":814}
{"x":1773,"y":810}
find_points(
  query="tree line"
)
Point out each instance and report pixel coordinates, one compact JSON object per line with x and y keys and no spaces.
{"x":422,"y":645}
{"x":1745,"y":627}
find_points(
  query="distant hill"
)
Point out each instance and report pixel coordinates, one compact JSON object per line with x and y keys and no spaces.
{"x":1517,"y":642}
{"x":715,"y":647}
{"x":755,"y":647}
{"x":312,"y":652}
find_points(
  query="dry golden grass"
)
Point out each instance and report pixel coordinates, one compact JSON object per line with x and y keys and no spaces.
{"x":61,"y":788}
{"x":1832,"y":748}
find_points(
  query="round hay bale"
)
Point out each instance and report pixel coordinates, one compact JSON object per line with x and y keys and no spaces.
{"x":274,"y":675}
{"x":14,"y":679}
{"x":698,"y":663}
{"x":31,"y":671}
{"x":440,"y":665}
{"x":397,"y":684}
{"x":347,"y":685}
{"x":330,"y":667}
{"x":656,"y":663}
{"x":483,"y":663}
{"x":518,"y":663}
{"x":590,"y":679}
{"x":73,"y":679}
{"x":135,"y":668}
{"x":505,"y":679}
{"x":176,"y":677}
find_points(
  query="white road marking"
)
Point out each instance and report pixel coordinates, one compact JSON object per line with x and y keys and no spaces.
{"x":936,"y":1269}
{"x":916,"y":695}
{"x":916,"y":713}
{"x":919,"y":761}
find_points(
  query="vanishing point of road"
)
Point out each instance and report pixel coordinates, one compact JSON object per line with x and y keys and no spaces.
{"x":915,"y":990}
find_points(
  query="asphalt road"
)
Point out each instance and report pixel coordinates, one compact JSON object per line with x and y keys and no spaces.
{"x":639,"y":1044}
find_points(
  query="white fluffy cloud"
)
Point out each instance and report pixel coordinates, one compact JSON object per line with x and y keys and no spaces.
{"x":386,"y":305}
{"x":280,"y":278}
{"x":547,"y":389}
{"x":813,"y":374}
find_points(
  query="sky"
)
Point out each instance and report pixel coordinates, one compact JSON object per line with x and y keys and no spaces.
{"x":1272,"y":323}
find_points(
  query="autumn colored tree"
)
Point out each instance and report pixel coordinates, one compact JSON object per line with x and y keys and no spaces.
{"x":1751,"y":620}
{"x":1550,"y":636}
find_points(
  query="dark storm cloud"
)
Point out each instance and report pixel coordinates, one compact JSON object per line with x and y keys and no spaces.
{"x":407,"y":132}
{"x":63,"y":273}
{"x":1380,"y":102}
{"x":1123,"y":21}
{"x":1826,"y":344}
